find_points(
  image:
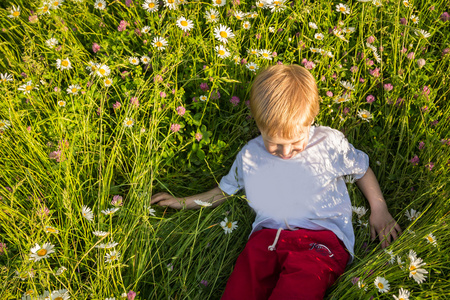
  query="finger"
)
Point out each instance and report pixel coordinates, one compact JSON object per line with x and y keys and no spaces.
{"x":373,"y":233}
{"x":394,"y":234}
{"x":158,"y":197}
{"x":398,"y":228}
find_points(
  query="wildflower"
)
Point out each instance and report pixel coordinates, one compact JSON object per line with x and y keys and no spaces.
{"x":388,"y":87}
{"x":421,"y":62}
{"x":246,"y":25}
{"x":185,"y":24}
{"x":5,"y":77}
{"x":219,"y":3}
{"x":402,"y":294}
{"x":131,"y":295}
{"x":52,"y":42}
{"x":4,"y":124}
{"x":414,"y":160}
{"x":134,"y":60}
{"x":117,"y":105}
{"x":329,"y":94}
{"x":3,"y":248}
{"x":381,"y":284}
{"x":239,"y":15}
{"x":145,"y":29}
{"x":414,"y":19}
{"x":117,"y":199}
{"x":415,"y":270}
{"x":212,"y":16}
{"x":391,"y":254}
{"x":319,"y":36}
{"x":343,"y":8}
{"x":362,"y":285}
{"x":128,"y":122}
{"x":162,"y":94}
{"x":277,"y":5}
{"x":349,"y":29}
{"x":365,"y":115}
{"x":169,"y":267}
{"x":235,"y":100}
{"x":73,"y":89}
{"x":342,"y":99}
{"x":59,"y":295}
{"x":204,"y":86}
{"x":122,"y":25}
{"x":204,"y":282}
{"x":28,"y":87}
{"x":347,"y":85}
{"x":375,"y":72}
{"x":405,"y":3}
{"x":252,"y":66}
{"x":222,"y":52}
{"x":203,"y":98}
{"x":266,"y":54}
{"x":202,"y":203}
{"x":339,"y":34}
{"x":15,"y":12}
{"x":151,"y":211}
{"x":112,"y":256}
{"x":412,"y":214}
{"x":107,"y":82}
{"x":100,"y":4}
{"x":312,"y":25}
{"x":228,"y":226}
{"x":223,"y":33}
{"x":150,"y":5}
{"x":108,"y":245}
{"x":430,"y":166}
{"x":181,"y":111}
{"x":175,"y":127}
{"x":60,"y":270}
{"x":38,"y":252}
{"x":370,"y":98}
{"x":198,"y":136}
{"x":51,"y":229}
{"x":360,"y":211}
{"x":271,"y":29}
{"x":445,"y":17}
{"x":377,"y":3}
{"x":253,"y":52}
{"x":159,"y":43}
{"x":422,"y":33}
{"x":431,"y":239}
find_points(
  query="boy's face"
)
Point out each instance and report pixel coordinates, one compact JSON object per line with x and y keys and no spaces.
{"x":286,"y":148}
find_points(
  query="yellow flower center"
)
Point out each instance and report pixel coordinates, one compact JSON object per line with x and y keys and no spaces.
{"x":59,"y":298}
{"x":29,"y":292}
{"x":16,"y":13}
{"x":223,"y":34}
{"x":260,"y":4}
{"x":134,"y":61}
{"x":265,"y":55}
{"x":364,"y":115}
{"x":50,"y":229}
{"x":102,"y":71}
{"x":380,"y":285}
{"x":238,"y":17}
{"x":277,"y":2}
{"x":107,"y":81}
{"x":65,"y":63}
{"x":74,"y":90}
{"x":221,"y":52}
{"x":218,"y":1}
{"x":151,"y":5}
{"x":412,"y":268}
{"x":430,"y":239}
{"x":56,"y":3}
{"x":45,"y":9}
{"x":251,"y":67}
{"x":29,"y":88}
{"x":41,"y":252}
{"x":342,"y":100}
{"x":129,"y":122}
{"x":61,"y":103}
{"x":213,"y":17}
{"x":113,"y":257}
{"x":184,"y":23}
{"x":2,"y":124}
{"x":170,"y":1}
{"x":100,"y":4}
{"x":342,"y":8}
{"x":158,"y":44}
{"x":229,"y":224}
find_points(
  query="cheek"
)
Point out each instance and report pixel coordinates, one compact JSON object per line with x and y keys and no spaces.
{"x":271,"y":148}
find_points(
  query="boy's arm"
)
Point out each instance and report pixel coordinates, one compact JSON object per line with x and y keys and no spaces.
{"x":381,"y":221}
{"x":215,"y":196}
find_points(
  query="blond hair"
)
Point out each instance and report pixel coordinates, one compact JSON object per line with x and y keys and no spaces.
{"x":283,"y":100}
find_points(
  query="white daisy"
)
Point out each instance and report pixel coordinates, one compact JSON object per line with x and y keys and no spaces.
{"x":315,"y":50}
{"x":228,"y":226}
{"x":171,"y":4}
{"x":45,"y":8}
{"x":362,"y":285}
{"x":100,"y":233}
{"x":60,"y":271}
{"x":51,"y":229}
{"x":277,"y":5}
{"x":219,"y":3}
{"x":4,"y":124}
{"x":28,"y":87}
{"x":405,"y":3}
{"x":185,"y":24}
{"x":63,"y":64}
{"x":360,"y":211}
{"x":339,"y":34}
{"x":55,"y":4}
{"x":253,"y":52}
{"x":391,"y":256}
{"x":252,"y":66}
{"x":402,"y":294}
{"x":151,"y":212}
{"x":52,"y":42}
{"x":203,"y":98}
{"x":414,"y":19}
{"x":319,"y":36}
{"x":343,"y":8}
{"x":271,"y":29}
{"x":59,"y":295}
{"x":415,"y":270}
{"x":261,"y":4}
{"x":110,"y":211}
{"x":431,"y":239}
{"x":223,"y":33}
{"x":412,"y":255}
{"x":102,"y":70}
{"x":377,"y":3}
{"x":412,"y":214}
{"x":202,"y":203}
{"x":145,"y":60}
{"x":6,"y":77}
{"x":341,"y":99}
{"x":107,"y":82}
{"x":100,"y":4}
{"x":15,"y":12}
{"x":112,"y":256}
{"x":236,"y":59}
{"x":110,"y":245}
{"x":222,"y":52}
{"x":61,"y":103}
{"x":312,"y":25}
{"x":266,"y":54}
{"x":150,"y":5}
{"x":73,"y":89}
{"x":422,"y":33}
{"x":252,"y":15}
{"x":38,"y":252}
{"x":377,"y":56}
{"x":400,"y":262}
{"x":159,"y":43}
{"x":212,"y":16}
{"x":86,"y":212}
{"x":128,"y":122}
{"x":381,"y":284}
{"x":239,"y":15}
{"x":145,"y":29}
{"x":246,"y":25}
{"x":349,"y":29}
{"x":133,"y":60}
{"x":347,"y":85}
{"x":365,"y":115}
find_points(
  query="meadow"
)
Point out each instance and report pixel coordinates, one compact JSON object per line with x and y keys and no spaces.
{"x":104,"y":103}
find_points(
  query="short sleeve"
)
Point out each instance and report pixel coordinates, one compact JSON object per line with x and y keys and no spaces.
{"x":233,"y":181}
{"x":351,"y":161}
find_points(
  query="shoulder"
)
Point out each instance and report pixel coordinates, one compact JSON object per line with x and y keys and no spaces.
{"x":253,"y":146}
{"x":329,"y":134}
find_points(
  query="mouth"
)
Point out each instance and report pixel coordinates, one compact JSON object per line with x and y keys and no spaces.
{"x":286,"y":157}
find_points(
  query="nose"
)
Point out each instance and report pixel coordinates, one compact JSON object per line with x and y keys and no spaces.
{"x":286,"y":150}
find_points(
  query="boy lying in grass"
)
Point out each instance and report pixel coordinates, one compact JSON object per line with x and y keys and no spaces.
{"x":293,"y":176}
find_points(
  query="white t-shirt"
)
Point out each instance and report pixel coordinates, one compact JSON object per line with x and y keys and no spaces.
{"x":307,"y":191}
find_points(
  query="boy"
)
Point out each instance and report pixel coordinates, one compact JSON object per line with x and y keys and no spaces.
{"x":293,"y":175}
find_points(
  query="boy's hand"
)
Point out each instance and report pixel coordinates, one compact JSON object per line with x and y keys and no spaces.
{"x":383,"y":224}
{"x":165,"y":199}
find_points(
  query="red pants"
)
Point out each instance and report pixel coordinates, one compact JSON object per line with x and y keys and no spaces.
{"x":303,"y":265}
